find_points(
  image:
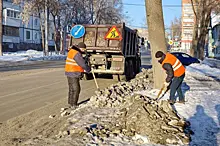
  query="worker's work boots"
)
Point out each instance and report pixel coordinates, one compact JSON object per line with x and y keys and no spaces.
{"x":181,"y":101}
{"x":171,"y":101}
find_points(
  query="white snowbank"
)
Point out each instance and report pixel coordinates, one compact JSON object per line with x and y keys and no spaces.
{"x":212,"y":62}
{"x":206,"y":70}
{"x":29,"y":55}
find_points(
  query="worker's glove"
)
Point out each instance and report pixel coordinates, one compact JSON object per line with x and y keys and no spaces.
{"x":166,"y":84}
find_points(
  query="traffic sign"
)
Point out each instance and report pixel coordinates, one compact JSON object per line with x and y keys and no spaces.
{"x":113,"y":34}
{"x":78,"y":31}
{"x":170,"y":42}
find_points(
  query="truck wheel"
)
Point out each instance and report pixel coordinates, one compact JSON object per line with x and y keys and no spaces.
{"x":138,"y":65}
{"x":132,"y":69}
{"x":127,"y":70}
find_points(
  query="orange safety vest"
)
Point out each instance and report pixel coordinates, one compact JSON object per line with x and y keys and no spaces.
{"x":177,"y":66}
{"x":71,"y":65}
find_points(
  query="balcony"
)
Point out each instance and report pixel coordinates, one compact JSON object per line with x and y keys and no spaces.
{"x":11,"y":17}
{"x":11,"y":39}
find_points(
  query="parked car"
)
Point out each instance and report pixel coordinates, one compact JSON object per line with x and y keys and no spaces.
{"x":185,"y":59}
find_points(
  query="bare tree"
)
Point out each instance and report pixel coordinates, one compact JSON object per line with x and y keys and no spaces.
{"x":175,"y":27}
{"x":202,"y":11}
{"x":55,"y":10}
{"x":1,"y":33}
{"x":46,"y":28}
{"x":68,"y":12}
{"x":155,"y":23}
{"x":34,"y":7}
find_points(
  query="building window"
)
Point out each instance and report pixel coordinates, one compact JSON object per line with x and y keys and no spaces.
{"x":28,"y":35}
{"x":35,"y":22}
{"x":13,"y":14}
{"x":10,"y":31}
{"x":52,"y":36}
{"x":35,"y":36}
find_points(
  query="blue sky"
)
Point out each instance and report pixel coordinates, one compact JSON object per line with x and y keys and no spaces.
{"x":137,"y":14}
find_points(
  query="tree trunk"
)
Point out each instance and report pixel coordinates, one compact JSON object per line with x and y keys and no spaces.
{"x":46,"y":28}
{"x":64,"y":40}
{"x":204,"y":23}
{"x":55,"y":35}
{"x":193,"y":49}
{"x":155,"y":23}
{"x":1,"y":33}
{"x":42,"y":33}
{"x":61,"y":43}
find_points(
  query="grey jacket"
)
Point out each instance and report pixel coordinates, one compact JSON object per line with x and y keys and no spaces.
{"x":168,"y":68}
{"x":81,"y":62}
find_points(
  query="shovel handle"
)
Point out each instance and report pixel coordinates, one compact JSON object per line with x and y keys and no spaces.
{"x":93,"y":74}
{"x":160,"y":91}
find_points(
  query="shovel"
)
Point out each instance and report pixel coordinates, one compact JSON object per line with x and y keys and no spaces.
{"x":165,"y":89}
{"x":93,"y":74}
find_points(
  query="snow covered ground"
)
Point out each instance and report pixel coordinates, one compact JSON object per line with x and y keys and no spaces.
{"x":202,"y":92}
{"x":29,"y":55}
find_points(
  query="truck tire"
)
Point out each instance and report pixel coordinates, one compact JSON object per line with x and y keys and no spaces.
{"x":132,"y":68}
{"x":127,"y":69}
{"x":138,"y":65}
{"x":130,"y":71}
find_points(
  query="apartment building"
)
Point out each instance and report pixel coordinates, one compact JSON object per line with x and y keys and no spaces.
{"x":18,"y":35}
{"x":214,"y":36}
{"x":188,"y":20}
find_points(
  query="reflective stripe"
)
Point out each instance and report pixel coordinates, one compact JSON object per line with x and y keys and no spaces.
{"x":175,"y":64}
{"x":178,"y":66}
{"x":70,"y":63}
{"x":70,"y":59}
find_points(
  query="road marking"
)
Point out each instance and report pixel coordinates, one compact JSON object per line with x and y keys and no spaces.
{"x":29,"y":89}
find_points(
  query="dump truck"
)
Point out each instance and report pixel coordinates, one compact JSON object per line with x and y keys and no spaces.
{"x":111,"y":49}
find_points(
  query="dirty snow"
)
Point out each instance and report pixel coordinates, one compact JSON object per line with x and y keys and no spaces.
{"x":202,"y":93}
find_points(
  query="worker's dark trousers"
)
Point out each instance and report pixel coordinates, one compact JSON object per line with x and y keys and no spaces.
{"x":74,"y":90}
{"x":176,"y":87}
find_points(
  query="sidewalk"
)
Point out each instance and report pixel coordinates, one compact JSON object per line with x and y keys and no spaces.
{"x":212,"y":62}
{"x":202,"y":107}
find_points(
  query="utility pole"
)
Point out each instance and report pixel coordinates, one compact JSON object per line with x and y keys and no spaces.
{"x":156,"y":31}
{"x":46,"y":28}
{"x":1,"y":33}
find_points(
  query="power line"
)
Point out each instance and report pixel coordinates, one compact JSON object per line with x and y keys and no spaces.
{"x":166,"y":28}
{"x":134,"y":4}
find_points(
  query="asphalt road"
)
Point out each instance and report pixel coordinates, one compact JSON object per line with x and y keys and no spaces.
{"x":26,"y":87}
{"x":29,"y":87}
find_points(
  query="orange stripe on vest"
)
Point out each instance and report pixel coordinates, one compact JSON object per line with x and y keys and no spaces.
{"x":71,"y":65}
{"x":177,"y":66}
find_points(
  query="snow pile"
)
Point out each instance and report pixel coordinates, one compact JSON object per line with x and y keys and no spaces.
{"x":29,"y":55}
{"x":212,"y":62}
{"x":117,"y":113}
{"x":205,"y":70}
{"x":118,"y":94}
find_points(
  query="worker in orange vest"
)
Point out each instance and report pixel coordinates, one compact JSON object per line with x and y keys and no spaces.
{"x":74,"y":69}
{"x":175,"y":75}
